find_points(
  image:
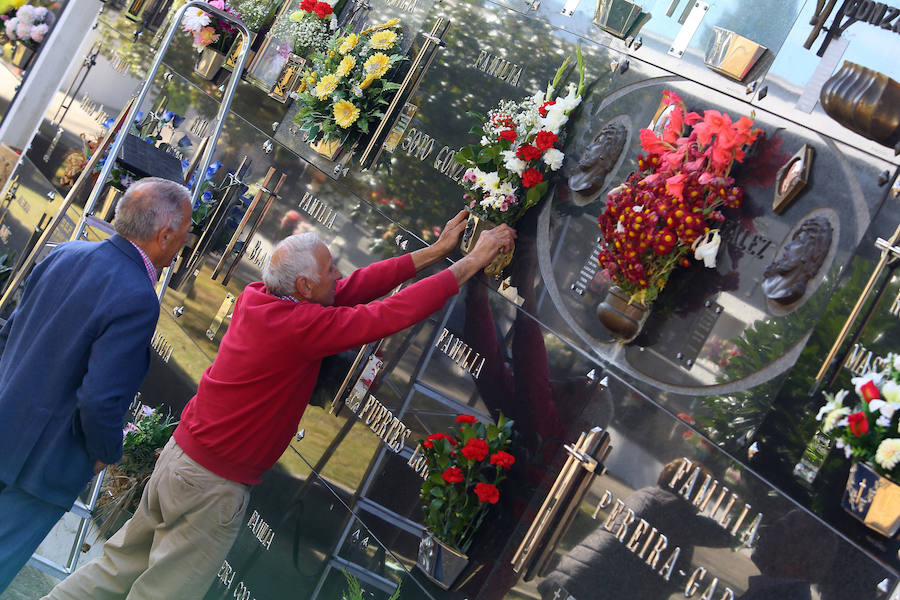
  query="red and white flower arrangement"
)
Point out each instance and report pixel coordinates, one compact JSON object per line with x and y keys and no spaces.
{"x":520,"y":146}
{"x":669,"y":208}
{"x":209,"y":31}
{"x":464,"y":471}
{"x":868,"y":428}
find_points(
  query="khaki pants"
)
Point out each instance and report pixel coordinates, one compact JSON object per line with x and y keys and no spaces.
{"x":174,"y":545}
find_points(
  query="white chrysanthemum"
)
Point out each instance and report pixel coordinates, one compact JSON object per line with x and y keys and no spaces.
{"x":833,"y":418}
{"x":888,"y":453}
{"x":507,"y":189}
{"x":488,"y":181}
{"x":194,"y":19}
{"x":553,"y":158}
{"x":512,"y":163}
{"x":890,"y":391}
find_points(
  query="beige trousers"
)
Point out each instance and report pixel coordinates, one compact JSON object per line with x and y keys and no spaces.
{"x":174,"y":545}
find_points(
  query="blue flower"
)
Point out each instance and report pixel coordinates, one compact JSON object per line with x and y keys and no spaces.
{"x":138,"y":116}
{"x":184,"y":165}
{"x":108,"y":123}
{"x":167,"y":116}
{"x":207,"y":196}
{"x":184,"y":142}
{"x":177,"y":120}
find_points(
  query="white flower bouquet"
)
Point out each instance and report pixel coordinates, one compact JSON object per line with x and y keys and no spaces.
{"x":508,"y":170}
{"x":30,"y":25}
{"x":867,"y":429}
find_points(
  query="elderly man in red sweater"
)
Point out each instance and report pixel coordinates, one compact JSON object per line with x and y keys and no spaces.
{"x":250,"y":400}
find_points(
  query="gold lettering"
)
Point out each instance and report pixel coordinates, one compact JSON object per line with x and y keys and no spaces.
{"x":517,"y":75}
{"x":669,"y":565}
{"x":709,"y":495}
{"x":737,"y":524}
{"x":726,"y":518}
{"x":382,"y":423}
{"x":627,"y":520}
{"x":709,"y":591}
{"x":693,"y":582}
{"x":632,"y":544}
{"x":704,"y":492}
{"x":653,"y":557}
{"x":477,"y":372}
{"x":683,"y":468}
{"x":619,"y":507}
{"x":604,"y":501}
{"x":688,"y":487}
{"x":402,"y":441}
{"x":371,"y":402}
{"x":718,"y":503}
{"x":728,"y":594}
{"x":749,"y":536}
{"x":482,"y":57}
{"x":650,"y":537}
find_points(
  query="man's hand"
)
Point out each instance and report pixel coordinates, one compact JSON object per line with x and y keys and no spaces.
{"x":490,"y":244}
{"x":449,"y":237}
{"x":99,"y":466}
{"x":445,"y":243}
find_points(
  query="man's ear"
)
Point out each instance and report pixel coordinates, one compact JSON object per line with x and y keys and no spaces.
{"x":303,"y":287}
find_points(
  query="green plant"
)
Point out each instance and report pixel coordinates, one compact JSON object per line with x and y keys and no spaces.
{"x":464,"y":470}
{"x":143,"y":440}
{"x":354,"y":590}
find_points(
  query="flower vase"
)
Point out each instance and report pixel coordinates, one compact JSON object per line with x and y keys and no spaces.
{"x":474,"y":227}
{"x":622,"y":318}
{"x":617,"y":17}
{"x":872,"y":499}
{"x":209,"y":63}
{"x":235,"y":52}
{"x":329,"y":148}
{"x":864,"y":101}
{"x":440,"y":562}
{"x":288,"y":78}
{"x":21,"y":55}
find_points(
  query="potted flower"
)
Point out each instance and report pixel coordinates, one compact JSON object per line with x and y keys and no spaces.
{"x":27,"y":29}
{"x":668,"y":209}
{"x":124,"y":482}
{"x":213,"y":37}
{"x":508,"y":171}
{"x":865,"y":427}
{"x":306,"y":31}
{"x":463,"y":473}
{"x":344,"y":94}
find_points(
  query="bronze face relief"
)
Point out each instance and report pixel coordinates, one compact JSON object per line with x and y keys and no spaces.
{"x":801,"y":258}
{"x":792,"y":178}
{"x":597,"y":161}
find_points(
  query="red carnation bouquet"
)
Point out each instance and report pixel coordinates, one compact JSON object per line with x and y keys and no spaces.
{"x":464,"y":471}
{"x":669,"y":208}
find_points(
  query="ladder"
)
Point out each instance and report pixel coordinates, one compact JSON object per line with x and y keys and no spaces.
{"x":113,"y":141}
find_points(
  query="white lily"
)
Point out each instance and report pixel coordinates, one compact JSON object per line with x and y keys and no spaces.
{"x":707,"y":247}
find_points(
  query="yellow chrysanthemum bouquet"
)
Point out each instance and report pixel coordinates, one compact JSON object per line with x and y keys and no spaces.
{"x":347,"y":87}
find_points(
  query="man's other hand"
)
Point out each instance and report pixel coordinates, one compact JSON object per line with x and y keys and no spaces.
{"x":449,"y":237}
{"x":491,"y":243}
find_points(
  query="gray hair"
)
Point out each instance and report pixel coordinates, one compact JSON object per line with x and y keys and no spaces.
{"x":292,"y":258}
{"x":150,"y":205}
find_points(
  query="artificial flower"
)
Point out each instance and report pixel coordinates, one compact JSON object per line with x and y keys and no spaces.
{"x":869,"y":391}
{"x":431,"y":439}
{"x":531,"y":177}
{"x":377,"y":65}
{"x":194,"y":20}
{"x":502,"y":459}
{"x":888,"y":453}
{"x":345,"y":113}
{"x":475,"y":449}
{"x":527,"y":152}
{"x":349,"y":43}
{"x":346,"y":65}
{"x":325,"y":87}
{"x":453,"y":475}
{"x":553,"y":158}
{"x":508,"y":134}
{"x":858,"y":423}
{"x":467,"y":419}
{"x":383,"y":40}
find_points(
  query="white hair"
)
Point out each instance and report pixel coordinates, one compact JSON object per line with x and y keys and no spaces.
{"x":292,"y":258}
{"x":150,"y":205}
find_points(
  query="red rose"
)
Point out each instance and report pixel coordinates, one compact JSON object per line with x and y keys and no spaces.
{"x":508,"y":135}
{"x":858,"y":422}
{"x":545,"y":140}
{"x":431,"y":439}
{"x":487,"y":493}
{"x":475,"y":449}
{"x":308,"y":5}
{"x":466,"y":419}
{"x":323,"y":9}
{"x":503,"y":459}
{"x":531,"y":177}
{"x":870,"y":391}
{"x":453,"y":475}
{"x":528,"y":152}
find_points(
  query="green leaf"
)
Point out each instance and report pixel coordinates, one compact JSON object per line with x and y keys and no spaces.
{"x":388,"y":85}
{"x":477,"y":115}
{"x":363,"y":125}
{"x":437,"y":492}
{"x":492,"y":432}
{"x":476,"y":130}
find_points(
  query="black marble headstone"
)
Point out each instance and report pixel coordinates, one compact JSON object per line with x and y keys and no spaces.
{"x":146,"y":160}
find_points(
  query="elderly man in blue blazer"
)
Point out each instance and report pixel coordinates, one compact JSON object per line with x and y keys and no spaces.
{"x":72,"y":356}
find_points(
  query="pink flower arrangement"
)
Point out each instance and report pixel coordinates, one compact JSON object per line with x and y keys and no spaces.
{"x":669,"y":207}
{"x":29,"y":26}
{"x":207,"y":30}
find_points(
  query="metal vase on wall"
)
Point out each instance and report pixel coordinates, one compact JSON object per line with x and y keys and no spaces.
{"x":440,"y":563}
{"x":209,"y":63}
{"x":731,"y":54}
{"x":618,"y":17}
{"x":623,"y":319}
{"x":289,"y":78}
{"x":474,"y":228}
{"x":872,"y":499}
{"x":21,"y":55}
{"x":864,"y":101}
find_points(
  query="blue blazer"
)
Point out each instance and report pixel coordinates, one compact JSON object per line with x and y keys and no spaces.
{"x":72,"y":357}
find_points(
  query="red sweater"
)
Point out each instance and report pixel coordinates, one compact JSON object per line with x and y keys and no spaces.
{"x":250,"y":400}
